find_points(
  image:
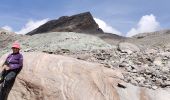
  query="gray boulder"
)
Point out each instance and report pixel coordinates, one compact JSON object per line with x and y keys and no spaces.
{"x":128,"y":47}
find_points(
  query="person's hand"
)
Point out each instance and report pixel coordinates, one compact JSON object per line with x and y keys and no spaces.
{"x":6,"y":67}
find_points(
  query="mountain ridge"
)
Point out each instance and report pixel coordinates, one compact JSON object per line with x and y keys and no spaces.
{"x":81,"y":23}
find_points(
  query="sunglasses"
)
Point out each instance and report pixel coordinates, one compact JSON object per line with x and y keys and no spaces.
{"x":14,"y":48}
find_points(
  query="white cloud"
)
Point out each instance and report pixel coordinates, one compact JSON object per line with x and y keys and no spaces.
{"x":147,"y":23}
{"x":105,"y":27}
{"x":31,"y":25}
{"x":8,"y":28}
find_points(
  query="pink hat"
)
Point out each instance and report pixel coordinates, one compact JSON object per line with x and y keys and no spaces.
{"x":16,"y":45}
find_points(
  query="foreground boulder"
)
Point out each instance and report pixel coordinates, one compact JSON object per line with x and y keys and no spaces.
{"x":55,"y":77}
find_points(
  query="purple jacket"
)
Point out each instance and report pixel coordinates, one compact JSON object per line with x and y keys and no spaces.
{"x":14,"y":61}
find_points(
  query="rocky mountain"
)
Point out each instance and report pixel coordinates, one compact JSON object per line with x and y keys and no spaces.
{"x":81,"y":23}
{"x":64,"y":78}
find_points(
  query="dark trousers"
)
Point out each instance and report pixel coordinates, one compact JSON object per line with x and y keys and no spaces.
{"x":7,"y":81}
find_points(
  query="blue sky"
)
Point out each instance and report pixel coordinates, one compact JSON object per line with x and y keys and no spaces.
{"x":122,"y":15}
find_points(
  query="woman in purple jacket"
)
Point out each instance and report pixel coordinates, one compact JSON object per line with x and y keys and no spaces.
{"x":11,"y":68}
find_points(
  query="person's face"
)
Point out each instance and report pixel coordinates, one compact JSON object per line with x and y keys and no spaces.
{"x":15,"y":50}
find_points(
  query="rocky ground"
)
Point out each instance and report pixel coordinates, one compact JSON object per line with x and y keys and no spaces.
{"x":149,"y":67}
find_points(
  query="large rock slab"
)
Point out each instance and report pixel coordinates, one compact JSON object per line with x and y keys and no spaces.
{"x":55,"y":77}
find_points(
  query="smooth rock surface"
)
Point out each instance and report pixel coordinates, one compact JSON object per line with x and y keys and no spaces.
{"x":55,"y":77}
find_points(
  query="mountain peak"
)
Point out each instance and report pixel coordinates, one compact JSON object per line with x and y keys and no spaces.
{"x":81,"y":23}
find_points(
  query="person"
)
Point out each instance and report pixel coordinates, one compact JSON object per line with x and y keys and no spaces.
{"x":10,"y":69}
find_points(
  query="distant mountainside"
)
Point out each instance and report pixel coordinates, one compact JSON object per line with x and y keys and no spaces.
{"x":111,"y":38}
{"x":152,"y":39}
{"x":3,"y":31}
{"x":146,"y":34}
{"x":6,"y":39}
{"x":81,"y":23}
